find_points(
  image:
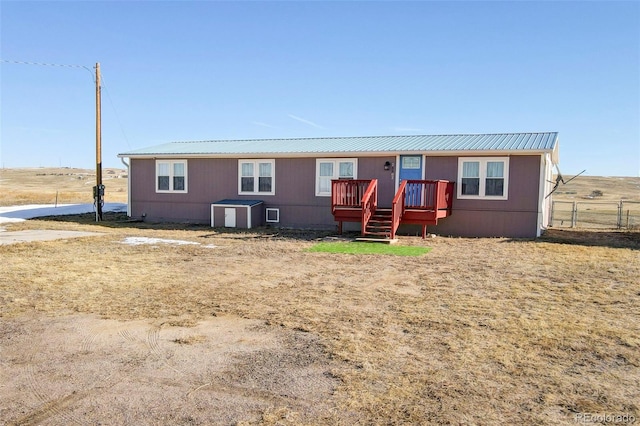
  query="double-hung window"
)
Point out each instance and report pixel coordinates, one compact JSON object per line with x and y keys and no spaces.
{"x":256,"y":177}
{"x":171,"y":175}
{"x":483,"y":178}
{"x":333,"y":168}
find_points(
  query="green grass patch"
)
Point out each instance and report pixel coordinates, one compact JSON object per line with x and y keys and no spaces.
{"x":369,"y":248}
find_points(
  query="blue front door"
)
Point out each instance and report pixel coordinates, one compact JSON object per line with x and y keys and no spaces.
{"x":411,"y":169}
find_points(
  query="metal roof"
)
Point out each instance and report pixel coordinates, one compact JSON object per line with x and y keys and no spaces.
{"x":477,"y":143}
{"x":231,"y":202}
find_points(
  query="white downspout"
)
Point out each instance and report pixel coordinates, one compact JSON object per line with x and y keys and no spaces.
{"x":128,"y":186}
{"x":541,"y":194}
{"x":546,"y":169}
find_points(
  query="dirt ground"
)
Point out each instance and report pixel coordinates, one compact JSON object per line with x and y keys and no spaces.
{"x":220,"y":369}
{"x":81,"y":369}
{"x":154,"y":324}
{"x":157,"y":324}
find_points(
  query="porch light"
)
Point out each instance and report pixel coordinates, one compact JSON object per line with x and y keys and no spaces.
{"x":387,"y":165}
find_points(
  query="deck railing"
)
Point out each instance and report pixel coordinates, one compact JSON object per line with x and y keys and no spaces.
{"x":428,"y":194}
{"x":348,"y":192}
{"x":369,"y":203}
{"x":415,"y":202}
{"x":397,"y":208}
{"x":445,"y":196}
{"x":431,"y":197}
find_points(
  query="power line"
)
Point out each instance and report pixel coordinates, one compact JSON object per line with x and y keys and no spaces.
{"x":43,"y":64}
{"x":126,"y":139}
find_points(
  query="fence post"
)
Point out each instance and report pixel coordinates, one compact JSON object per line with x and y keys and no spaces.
{"x":574,"y":214}
{"x":619,"y":224}
{"x":553,"y":205}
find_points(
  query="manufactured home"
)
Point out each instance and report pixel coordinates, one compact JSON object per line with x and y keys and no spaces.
{"x":481,"y":185}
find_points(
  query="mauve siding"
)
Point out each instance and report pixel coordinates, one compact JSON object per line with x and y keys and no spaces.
{"x":257,"y":215}
{"x":241,"y":217}
{"x":193,"y":206}
{"x":515,"y":217}
{"x":373,"y":168}
{"x":218,"y":216}
{"x":214,"y":179}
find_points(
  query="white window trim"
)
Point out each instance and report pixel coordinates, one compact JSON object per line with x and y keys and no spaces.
{"x":271,"y":209}
{"x":336,"y":170}
{"x":483,"y":177}
{"x":256,"y":171}
{"x":171,"y":190}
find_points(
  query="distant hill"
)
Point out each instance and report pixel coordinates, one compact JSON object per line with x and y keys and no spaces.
{"x":62,"y":185}
{"x":599,"y":188}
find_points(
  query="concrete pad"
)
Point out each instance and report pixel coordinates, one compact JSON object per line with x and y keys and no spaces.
{"x":13,"y":237}
{"x":377,"y":240}
{"x":21,"y":213}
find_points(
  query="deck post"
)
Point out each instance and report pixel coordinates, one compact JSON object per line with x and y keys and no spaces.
{"x":424,"y":231}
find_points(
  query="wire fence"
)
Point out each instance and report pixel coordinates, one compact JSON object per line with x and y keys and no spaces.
{"x":596,"y":214}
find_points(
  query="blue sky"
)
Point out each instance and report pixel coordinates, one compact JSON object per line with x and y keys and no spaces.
{"x":233,"y":70}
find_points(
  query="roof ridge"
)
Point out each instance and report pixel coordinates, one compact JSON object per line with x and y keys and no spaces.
{"x":467,"y":142}
{"x":358,"y":137}
{"x":297,"y":139}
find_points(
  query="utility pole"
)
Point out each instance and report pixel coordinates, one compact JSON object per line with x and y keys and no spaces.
{"x":98,"y":190}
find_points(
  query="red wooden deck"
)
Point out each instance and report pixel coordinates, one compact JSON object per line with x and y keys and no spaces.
{"x":419,"y":202}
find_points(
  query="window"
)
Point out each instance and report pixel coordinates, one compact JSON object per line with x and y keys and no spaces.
{"x":483,"y":177}
{"x":256,"y":177}
{"x":273,"y":215}
{"x":171,"y":176}
{"x":495,"y":179}
{"x":471,"y":178}
{"x":411,"y":162}
{"x":328,"y":169}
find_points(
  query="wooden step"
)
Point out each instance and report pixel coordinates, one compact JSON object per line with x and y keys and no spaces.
{"x":379,"y":223}
{"x":383,"y":229}
{"x":379,"y":234}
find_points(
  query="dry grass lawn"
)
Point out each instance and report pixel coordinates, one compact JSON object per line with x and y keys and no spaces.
{"x":477,"y":331}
